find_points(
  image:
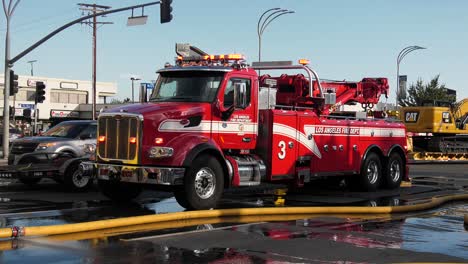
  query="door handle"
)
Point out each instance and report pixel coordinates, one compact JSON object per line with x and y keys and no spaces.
{"x":246,"y":139}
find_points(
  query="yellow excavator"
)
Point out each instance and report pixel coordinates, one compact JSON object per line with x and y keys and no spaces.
{"x":437,"y":130}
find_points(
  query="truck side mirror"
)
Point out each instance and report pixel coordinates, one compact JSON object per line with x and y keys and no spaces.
{"x":240,"y":95}
{"x":143,"y":93}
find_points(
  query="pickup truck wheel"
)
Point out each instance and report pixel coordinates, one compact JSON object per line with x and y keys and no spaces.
{"x":393,"y":172}
{"x":203,"y":184}
{"x":74,"y":178}
{"x":370,"y":177}
{"x":119,"y":191}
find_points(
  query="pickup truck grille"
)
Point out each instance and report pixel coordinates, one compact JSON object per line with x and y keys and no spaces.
{"x":114,"y":137}
{"x":21,"y":148}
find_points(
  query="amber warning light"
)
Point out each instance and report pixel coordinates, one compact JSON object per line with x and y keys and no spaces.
{"x":304,"y":61}
{"x":223,"y":57}
{"x":102,"y":138}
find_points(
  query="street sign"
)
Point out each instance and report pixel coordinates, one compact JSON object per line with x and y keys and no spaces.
{"x":149,"y":86}
{"x":28,"y":106}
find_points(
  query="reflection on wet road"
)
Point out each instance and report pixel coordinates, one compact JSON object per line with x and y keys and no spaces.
{"x":437,"y":235}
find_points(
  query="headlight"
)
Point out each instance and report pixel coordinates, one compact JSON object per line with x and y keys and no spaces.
{"x":160,"y":152}
{"x":89,"y":148}
{"x":44,"y":146}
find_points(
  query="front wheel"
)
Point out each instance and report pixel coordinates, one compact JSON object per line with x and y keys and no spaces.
{"x":203,"y":184}
{"x":74,"y":178}
{"x":119,"y":191}
{"x":393,"y":172}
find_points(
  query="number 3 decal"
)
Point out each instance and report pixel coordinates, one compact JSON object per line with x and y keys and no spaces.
{"x":282,"y":153}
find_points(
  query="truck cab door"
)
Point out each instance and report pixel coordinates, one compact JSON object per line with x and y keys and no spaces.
{"x":237,"y":127}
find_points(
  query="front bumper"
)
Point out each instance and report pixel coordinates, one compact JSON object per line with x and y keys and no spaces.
{"x":136,"y":174}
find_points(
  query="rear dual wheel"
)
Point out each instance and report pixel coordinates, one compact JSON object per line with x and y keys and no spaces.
{"x":371,"y":173}
{"x":393,"y":171}
{"x":374,"y":175}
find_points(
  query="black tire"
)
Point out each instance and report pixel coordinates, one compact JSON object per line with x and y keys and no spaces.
{"x":180,"y":197}
{"x":393,"y":172}
{"x":74,"y":179}
{"x":59,"y":181}
{"x":29,"y":181}
{"x":371,"y":174}
{"x":119,"y":191}
{"x":203,"y":184}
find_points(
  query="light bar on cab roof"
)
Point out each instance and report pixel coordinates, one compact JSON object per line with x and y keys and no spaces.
{"x":223,"y":57}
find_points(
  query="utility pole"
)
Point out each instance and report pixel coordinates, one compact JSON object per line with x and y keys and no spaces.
{"x":94,"y":9}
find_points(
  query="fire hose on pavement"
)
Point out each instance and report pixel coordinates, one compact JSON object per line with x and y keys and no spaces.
{"x":15,"y":231}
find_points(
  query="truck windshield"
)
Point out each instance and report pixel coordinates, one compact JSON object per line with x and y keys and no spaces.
{"x":189,"y":86}
{"x":66,"y":130}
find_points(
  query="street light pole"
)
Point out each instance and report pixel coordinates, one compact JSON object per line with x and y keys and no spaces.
{"x":32,"y":67}
{"x":133,"y":79}
{"x":273,"y":13}
{"x":400,"y":57}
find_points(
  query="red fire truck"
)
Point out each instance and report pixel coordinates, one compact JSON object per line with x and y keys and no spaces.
{"x":212,"y":122}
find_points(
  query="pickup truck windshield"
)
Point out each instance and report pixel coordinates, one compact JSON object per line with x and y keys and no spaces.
{"x":187,"y":86}
{"x":65,"y":130}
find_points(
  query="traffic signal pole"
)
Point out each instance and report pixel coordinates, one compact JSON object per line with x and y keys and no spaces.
{"x":35,"y":118}
{"x":9,"y":9}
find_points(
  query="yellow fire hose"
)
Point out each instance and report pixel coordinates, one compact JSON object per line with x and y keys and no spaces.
{"x":104,"y":233}
{"x":190,"y":215}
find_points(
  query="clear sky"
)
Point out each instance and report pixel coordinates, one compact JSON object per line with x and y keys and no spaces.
{"x":343,"y":39}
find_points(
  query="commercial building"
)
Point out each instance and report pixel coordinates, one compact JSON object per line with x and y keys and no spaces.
{"x":62,"y":99}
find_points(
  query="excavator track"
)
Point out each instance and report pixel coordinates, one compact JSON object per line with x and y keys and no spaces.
{"x":443,"y":149}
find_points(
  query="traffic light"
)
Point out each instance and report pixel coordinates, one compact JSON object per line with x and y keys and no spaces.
{"x":40,"y":92}
{"x":12,"y":111}
{"x":13,"y":83}
{"x":27,"y":113}
{"x":166,"y":11}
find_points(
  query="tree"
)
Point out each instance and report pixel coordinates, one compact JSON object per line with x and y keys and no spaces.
{"x":432,"y":91}
{"x":118,"y":101}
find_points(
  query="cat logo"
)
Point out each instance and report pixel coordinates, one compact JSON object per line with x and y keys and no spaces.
{"x":411,"y":117}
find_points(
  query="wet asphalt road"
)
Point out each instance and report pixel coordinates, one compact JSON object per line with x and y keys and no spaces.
{"x":437,"y":235}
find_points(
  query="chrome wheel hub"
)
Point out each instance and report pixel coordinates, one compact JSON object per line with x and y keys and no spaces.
{"x":395,"y":171}
{"x":205,"y":183}
{"x":372,"y":172}
{"x":79,"y":180}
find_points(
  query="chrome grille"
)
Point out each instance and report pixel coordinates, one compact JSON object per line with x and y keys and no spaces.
{"x":117,"y":131}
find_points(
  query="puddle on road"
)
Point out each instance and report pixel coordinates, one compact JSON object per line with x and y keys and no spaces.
{"x":440,"y":231}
